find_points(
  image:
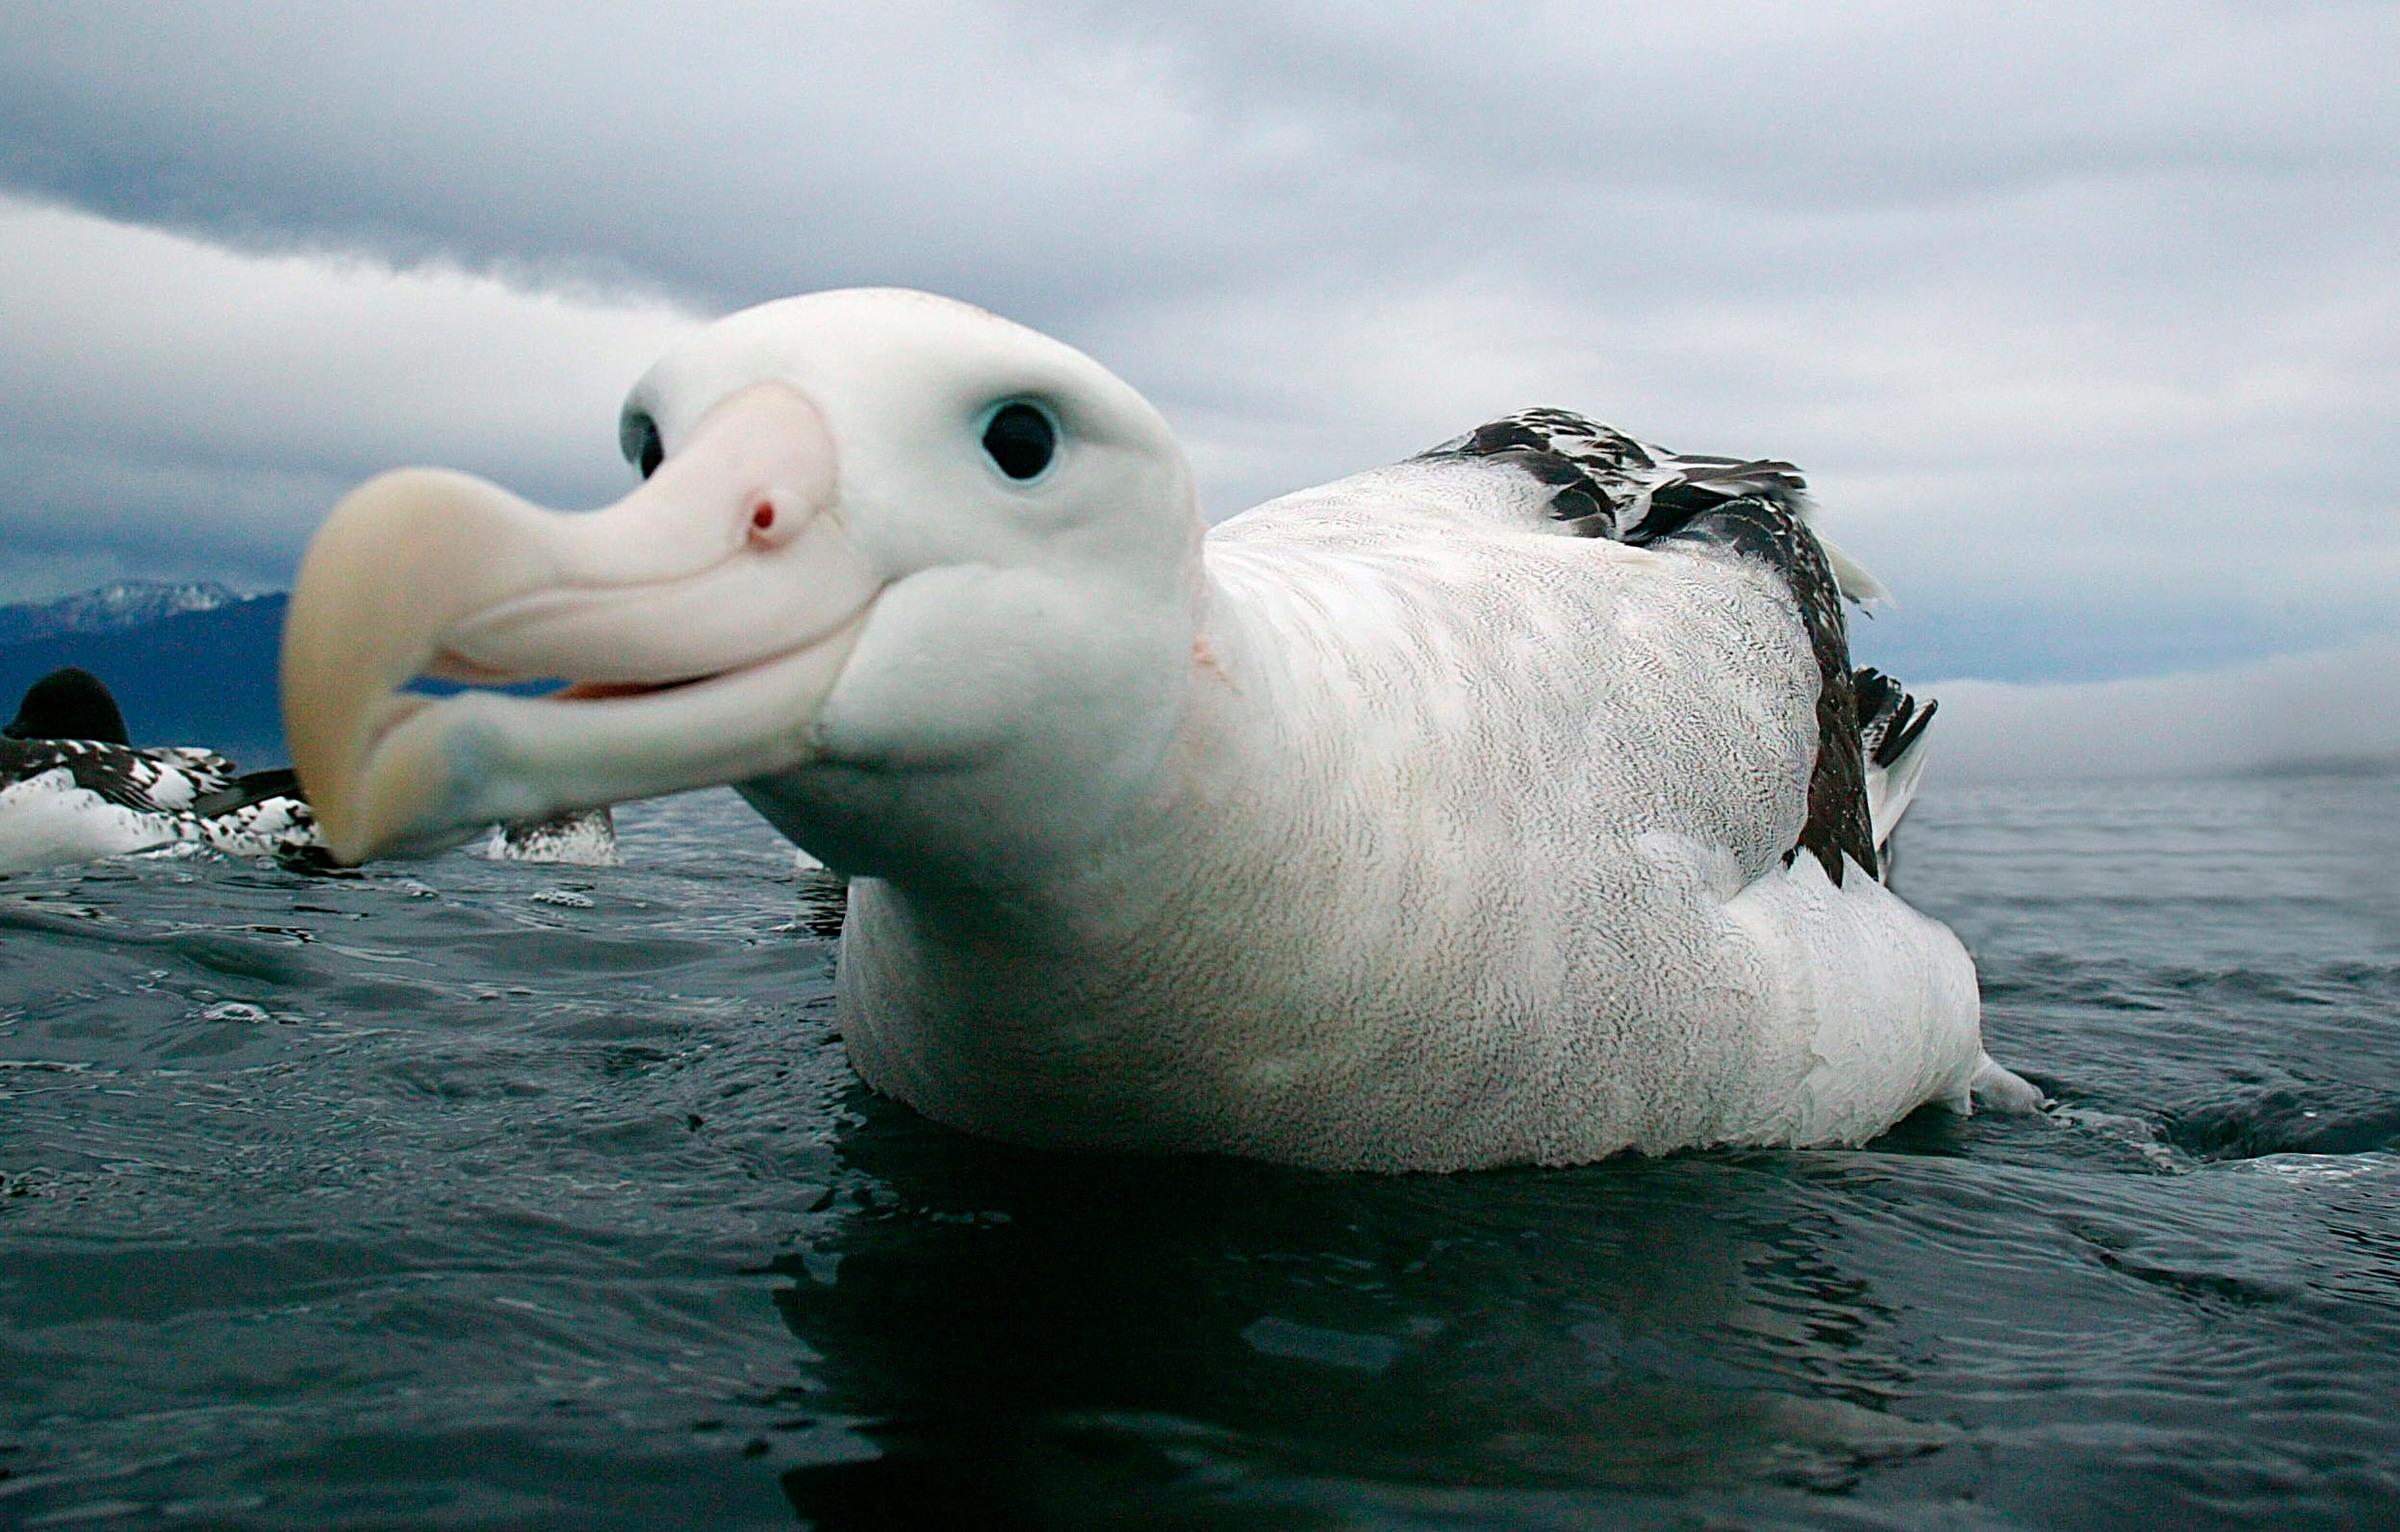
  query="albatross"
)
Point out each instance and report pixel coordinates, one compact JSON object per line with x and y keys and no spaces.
{"x":1514,"y":803}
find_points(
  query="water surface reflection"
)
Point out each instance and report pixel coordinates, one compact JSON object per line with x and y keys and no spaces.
{"x":1139,"y":1340}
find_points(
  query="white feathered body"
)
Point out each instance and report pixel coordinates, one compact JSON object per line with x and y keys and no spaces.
{"x":1469,"y":847}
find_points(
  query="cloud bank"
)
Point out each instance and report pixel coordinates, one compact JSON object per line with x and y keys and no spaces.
{"x":2083,"y":321}
{"x":171,"y":406}
{"x":2331,"y":710}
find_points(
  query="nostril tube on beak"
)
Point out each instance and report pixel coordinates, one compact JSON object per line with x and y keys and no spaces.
{"x":774,"y":520}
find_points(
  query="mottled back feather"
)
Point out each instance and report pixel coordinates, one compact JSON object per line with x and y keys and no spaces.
{"x":144,"y":781}
{"x":1606,"y":484}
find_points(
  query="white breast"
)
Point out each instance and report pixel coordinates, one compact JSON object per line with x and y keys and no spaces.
{"x":46,"y":820}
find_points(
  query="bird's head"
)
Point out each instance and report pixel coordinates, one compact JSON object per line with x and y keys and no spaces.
{"x":881,"y":538}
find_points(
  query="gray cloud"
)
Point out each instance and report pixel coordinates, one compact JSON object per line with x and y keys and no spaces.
{"x":169,"y":407}
{"x":2333,"y":709}
{"x":2082,"y":320}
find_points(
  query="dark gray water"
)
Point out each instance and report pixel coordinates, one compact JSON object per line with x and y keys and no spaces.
{"x":465,"y":1194}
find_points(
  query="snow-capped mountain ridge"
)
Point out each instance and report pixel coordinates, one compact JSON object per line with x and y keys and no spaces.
{"x":110,"y":608}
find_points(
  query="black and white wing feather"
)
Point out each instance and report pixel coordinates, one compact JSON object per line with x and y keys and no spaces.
{"x":1604,"y":483}
{"x":67,"y":800}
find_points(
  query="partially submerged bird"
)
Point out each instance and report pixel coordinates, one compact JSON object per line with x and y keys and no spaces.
{"x":573,"y":838}
{"x":77,"y":790}
{"x":1506,"y":804}
{"x":73,"y":788}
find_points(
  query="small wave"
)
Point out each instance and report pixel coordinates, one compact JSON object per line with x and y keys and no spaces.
{"x":2288,"y":1120}
{"x":2321,"y":1169}
{"x":2143,"y":1136}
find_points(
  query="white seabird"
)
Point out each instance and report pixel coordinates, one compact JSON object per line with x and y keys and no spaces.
{"x":1508,"y":804}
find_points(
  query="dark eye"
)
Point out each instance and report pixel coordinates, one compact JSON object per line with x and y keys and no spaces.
{"x":642,"y":447}
{"x":1021,"y":440}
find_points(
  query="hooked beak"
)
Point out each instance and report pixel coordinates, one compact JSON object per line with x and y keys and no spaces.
{"x":702,"y":620}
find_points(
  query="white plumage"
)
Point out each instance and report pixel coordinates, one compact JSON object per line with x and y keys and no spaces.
{"x":1478,"y":859}
{"x":1476,"y":810}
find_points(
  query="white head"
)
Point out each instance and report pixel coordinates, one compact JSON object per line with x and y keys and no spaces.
{"x":921,"y":579}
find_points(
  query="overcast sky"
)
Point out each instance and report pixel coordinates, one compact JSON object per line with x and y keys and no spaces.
{"x":2084,"y":321}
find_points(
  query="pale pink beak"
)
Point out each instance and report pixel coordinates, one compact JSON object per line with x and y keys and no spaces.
{"x":702,"y":621}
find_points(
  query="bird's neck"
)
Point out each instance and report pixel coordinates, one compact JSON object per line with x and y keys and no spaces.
{"x":1047,"y":776}
{"x":1063,"y":997}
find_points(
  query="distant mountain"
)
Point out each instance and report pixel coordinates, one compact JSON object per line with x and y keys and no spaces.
{"x":190,"y":664}
{"x":118,"y":605}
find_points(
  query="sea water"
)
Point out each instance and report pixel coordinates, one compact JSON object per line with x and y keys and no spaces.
{"x":459,"y":1193}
